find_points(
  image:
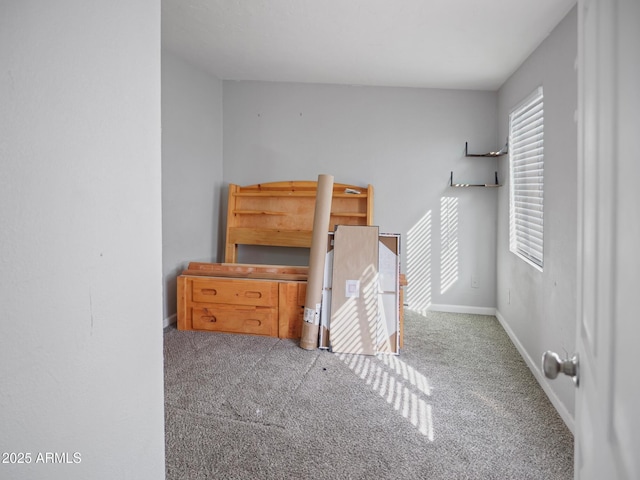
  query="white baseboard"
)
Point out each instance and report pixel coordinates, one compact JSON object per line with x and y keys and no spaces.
{"x":542,"y":380}
{"x":462,"y":309}
{"x":170,"y":320}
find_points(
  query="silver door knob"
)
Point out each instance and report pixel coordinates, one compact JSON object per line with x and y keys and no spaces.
{"x":552,"y":365}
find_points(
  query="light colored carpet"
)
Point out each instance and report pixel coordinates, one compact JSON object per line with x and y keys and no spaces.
{"x":458,"y":403}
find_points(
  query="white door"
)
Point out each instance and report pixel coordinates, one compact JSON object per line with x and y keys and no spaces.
{"x":607,"y":442}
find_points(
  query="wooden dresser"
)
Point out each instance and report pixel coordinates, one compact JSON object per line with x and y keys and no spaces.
{"x":239,"y":298}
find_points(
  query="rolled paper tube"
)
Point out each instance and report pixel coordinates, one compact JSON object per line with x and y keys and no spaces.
{"x":313,"y":299}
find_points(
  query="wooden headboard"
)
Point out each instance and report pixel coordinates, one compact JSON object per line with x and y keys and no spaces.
{"x":281,"y":213}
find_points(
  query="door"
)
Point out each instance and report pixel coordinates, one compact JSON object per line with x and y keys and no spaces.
{"x":607,"y":438}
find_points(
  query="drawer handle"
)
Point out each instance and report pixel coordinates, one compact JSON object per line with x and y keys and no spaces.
{"x":251,"y":322}
{"x":208,"y":316}
{"x":250,"y":294}
{"x":209,"y":291}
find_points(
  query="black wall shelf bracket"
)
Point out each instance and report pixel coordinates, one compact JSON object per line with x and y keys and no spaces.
{"x":464,"y":185}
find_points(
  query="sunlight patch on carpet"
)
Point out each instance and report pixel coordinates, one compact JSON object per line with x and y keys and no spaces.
{"x":404,"y":388}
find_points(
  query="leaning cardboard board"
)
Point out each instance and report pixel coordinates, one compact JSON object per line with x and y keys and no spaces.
{"x":354,"y":297}
{"x":390,"y":298}
{"x":389,"y":294}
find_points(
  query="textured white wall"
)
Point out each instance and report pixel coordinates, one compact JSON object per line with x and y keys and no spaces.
{"x":539,"y":308}
{"x":191,"y":170}
{"x":404,"y":142}
{"x":80,"y":236}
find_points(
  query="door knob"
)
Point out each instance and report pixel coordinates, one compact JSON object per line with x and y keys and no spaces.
{"x":552,"y":365}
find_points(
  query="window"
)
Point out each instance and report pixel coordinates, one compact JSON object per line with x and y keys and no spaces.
{"x":526,"y":162}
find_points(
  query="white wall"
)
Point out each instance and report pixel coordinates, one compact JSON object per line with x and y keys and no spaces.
{"x":191,"y":170}
{"x":404,"y":142}
{"x":80,"y":236}
{"x":539,"y":309}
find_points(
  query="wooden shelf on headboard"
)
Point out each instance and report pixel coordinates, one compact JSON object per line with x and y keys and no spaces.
{"x":281,"y":213}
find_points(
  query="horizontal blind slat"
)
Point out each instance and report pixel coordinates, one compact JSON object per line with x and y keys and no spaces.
{"x":526,"y":115}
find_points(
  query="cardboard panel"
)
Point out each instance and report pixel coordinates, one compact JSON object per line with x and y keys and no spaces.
{"x":354,"y":295}
{"x":389,"y":277}
{"x":389,"y":327}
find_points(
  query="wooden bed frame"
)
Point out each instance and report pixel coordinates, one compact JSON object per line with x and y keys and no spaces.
{"x":281,"y":213}
{"x":265,"y":299}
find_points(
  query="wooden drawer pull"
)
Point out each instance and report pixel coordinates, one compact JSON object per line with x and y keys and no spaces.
{"x":208,"y":316}
{"x":251,"y":294}
{"x":209,"y":291}
{"x":252,"y":322}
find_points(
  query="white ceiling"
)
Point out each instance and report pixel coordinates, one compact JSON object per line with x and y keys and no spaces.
{"x":462,"y":44}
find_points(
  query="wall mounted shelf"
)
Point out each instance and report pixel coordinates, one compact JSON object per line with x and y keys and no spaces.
{"x":503,"y":151}
{"x":464,"y":185}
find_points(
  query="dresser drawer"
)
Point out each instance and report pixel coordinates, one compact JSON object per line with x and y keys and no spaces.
{"x":235,"y":292}
{"x":236,"y":319}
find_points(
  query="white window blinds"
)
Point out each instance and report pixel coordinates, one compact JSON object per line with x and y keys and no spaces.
{"x":526,"y":159}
